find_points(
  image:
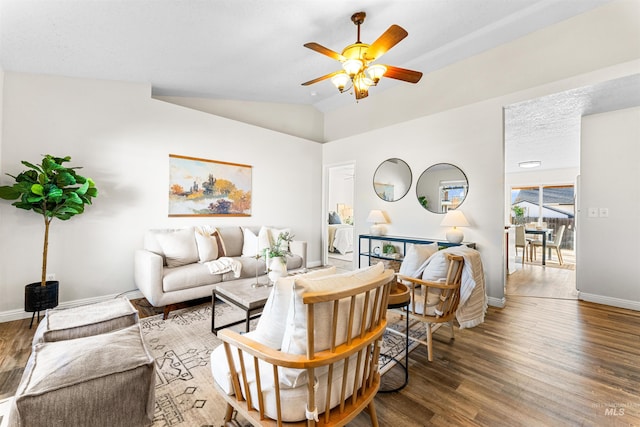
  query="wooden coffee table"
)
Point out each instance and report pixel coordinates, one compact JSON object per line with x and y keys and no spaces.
{"x":243,"y":294}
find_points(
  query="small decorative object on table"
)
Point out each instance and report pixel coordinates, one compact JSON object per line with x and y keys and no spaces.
{"x":276,"y":255}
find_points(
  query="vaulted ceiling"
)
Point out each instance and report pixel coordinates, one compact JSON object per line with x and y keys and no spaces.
{"x":253,"y":49}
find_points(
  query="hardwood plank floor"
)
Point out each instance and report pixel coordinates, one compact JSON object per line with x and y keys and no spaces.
{"x":536,"y":362}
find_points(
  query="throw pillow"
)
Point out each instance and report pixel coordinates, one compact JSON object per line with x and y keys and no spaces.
{"x":253,"y":244}
{"x":334,"y":218}
{"x":436,"y":268}
{"x":179,"y":247}
{"x":416,"y":255}
{"x":273,"y":321}
{"x":207,"y":246}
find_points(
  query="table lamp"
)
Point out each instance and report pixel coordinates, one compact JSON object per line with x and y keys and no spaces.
{"x":455,"y":218}
{"x":377,"y":218}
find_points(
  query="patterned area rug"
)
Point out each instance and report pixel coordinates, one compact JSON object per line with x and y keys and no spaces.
{"x":182,"y":345}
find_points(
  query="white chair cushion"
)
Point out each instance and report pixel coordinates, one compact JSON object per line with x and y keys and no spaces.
{"x":416,"y":255}
{"x":179,"y":247}
{"x":295,"y":336}
{"x":436,"y":268}
{"x":294,"y":399}
{"x":273,"y":321}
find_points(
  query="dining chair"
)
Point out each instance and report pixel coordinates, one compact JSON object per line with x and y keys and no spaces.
{"x":555,"y":243}
{"x":521,"y":242}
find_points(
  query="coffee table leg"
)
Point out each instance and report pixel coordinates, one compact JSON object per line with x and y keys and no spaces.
{"x":213,"y":312}
{"x":248,"y":320}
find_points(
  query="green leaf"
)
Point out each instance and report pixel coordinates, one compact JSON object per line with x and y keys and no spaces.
{"x":37,"y":189}
{"x":32,"y":166}
{"x":34,"y":199}
{"x":83,"y":188}
{"x":64,"y":179}
{"x":9,"y":192}
{"x":54,"y":193}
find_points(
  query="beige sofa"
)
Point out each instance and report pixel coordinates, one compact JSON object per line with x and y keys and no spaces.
{"x":175,"y":265}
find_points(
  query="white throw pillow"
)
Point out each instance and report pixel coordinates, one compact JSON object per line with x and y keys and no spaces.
{"x":252,"y":244}
{"x":179,"y":247}
{"x":414,"y":258}
{"x":436,"y":269}
{"x":271,"y":325}
{"x":295,"y":336}
{"x":207,"y":246}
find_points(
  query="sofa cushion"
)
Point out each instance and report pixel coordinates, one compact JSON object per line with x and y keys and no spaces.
{"x":232,"y":239}
{"x":188,"y":276}
{"x":179,"y":247}
{"x":273,"y":321}
{"x":100,"y":380}
{"x":86,"y":320}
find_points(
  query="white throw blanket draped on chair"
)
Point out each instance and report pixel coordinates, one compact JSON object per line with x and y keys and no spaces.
{"x":224,"y":265}
{"x":473,"y":296}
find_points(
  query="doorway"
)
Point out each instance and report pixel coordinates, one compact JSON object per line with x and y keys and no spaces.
{"x":338,"y":229}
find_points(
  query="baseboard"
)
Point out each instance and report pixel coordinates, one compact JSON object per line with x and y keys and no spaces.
{"x":496,"y":302}
{"x":10,"y":315}
{"x":615,"y":302}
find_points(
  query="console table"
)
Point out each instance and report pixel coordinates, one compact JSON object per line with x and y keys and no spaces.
{"x":368,"y":242}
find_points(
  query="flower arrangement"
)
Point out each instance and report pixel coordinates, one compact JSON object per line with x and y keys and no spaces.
{"x":280,"y":248}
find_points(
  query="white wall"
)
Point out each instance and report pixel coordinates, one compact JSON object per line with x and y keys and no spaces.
{"x":600,"y":38}
{"x":340,"y":186}
{"x":608,"y":253}
{"x":471,"y":137}
{"x":476,"y":147}
{"x":122,"y":138}
{"x":298,"y":120}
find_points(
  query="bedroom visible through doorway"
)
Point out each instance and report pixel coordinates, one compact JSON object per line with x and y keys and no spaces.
{"x":340,"y":216}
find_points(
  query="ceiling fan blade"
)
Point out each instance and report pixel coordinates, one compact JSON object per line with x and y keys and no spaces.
{"x":386,"y":41}
{"x":325,"y":51}
{"x":403,"y":74}
{"x":319,"y":79}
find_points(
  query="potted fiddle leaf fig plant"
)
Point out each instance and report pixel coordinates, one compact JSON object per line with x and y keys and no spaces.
{"x":52,"y":190}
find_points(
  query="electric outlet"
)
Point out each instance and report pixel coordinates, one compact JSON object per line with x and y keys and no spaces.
{"x":592,"y":212}
{"x":604,"y":212}
{"x":51,"y":276}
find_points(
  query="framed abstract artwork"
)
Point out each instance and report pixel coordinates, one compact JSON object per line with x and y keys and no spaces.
{"x":201,"y":187}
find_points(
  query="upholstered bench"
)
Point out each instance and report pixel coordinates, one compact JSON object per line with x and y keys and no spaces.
{"x":88,"y":366}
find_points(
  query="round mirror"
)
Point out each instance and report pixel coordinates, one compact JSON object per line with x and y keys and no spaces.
{"x":441,"y":188}
{"x":392,"y":180}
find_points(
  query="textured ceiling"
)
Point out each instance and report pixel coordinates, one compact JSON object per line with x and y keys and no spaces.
{"x":253,"y":49}
{"x":548,"y":128}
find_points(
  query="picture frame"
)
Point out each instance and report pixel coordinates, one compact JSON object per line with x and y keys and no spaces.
{"x":202,"y":187}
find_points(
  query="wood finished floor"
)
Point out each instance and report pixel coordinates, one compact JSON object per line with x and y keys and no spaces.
{"x":536,"y":362}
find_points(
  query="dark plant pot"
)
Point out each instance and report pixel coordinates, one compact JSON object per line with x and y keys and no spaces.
{"x":40,"y":298}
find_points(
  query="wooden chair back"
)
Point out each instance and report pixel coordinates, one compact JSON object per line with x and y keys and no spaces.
{"x":443,"y":310}
{"x":366,"y":306}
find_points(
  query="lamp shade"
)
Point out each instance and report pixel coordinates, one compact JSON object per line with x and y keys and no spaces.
{"x":376,"y":217}
{"x":454,"y":218}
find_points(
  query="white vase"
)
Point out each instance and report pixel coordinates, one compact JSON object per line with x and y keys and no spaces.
{"x":277,"y":268}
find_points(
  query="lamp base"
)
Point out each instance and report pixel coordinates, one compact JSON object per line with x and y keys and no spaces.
{"x":377,"y":230}
{"x":455,"y":235}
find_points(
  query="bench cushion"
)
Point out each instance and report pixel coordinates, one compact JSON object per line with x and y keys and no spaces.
{"x":86,"y":320}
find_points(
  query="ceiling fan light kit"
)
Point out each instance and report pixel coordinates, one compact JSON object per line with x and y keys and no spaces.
{"x":357,"y":61}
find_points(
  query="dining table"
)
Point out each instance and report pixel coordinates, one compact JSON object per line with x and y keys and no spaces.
{"x":544,"y":232}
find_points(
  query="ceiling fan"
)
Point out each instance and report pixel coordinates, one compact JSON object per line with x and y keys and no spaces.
{"x":357,"y":61}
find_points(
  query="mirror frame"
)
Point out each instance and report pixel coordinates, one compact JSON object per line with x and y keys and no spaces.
{"x":379,"y":188}
{"x":439,"y":189}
